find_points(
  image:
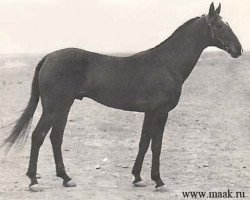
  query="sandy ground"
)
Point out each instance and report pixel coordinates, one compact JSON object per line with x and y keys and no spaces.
{"x":205,"y":148}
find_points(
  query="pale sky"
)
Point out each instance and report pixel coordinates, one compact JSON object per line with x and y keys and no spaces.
{"x":106,"y":26}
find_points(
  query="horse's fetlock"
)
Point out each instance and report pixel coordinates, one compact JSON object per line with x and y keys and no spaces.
{"x":155,"y":177}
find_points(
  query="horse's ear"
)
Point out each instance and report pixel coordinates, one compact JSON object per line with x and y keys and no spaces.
{"x":211,"y":10}
{"x":217,"y":11}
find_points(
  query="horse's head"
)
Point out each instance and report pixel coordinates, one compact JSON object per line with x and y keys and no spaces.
{"x":220,"y":33}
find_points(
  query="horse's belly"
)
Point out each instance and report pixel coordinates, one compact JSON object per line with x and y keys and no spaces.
{"x":132,"y":102}
{"x":126,"y":103}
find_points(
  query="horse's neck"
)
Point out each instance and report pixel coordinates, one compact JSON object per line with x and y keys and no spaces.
{"x":181,"y":52}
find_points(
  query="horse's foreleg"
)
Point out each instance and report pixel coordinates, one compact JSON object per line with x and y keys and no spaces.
{"x":56,"y":138}
{"x":38,"y":136}
{"x":157,"y":134}
{"x":143,"y":147}
{"x":153,"y":127}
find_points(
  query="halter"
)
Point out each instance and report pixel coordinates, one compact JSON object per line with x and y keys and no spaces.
{"x":211,"y":30}
{"x":210,"y":27}
{"x":225,"y":47}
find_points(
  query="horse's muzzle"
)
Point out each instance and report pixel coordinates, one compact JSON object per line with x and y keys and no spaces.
{"x":235,"y":51}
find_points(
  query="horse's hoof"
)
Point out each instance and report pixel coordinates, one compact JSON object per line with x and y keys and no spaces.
{"x":161,"y":188}
{"x":140,"y":183}
{"x":36,"y":188}
{"x":69,"y":184}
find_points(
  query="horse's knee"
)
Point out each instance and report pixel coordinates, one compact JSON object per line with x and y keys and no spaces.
{"x":143,"y":146}
{"x":53,"y":137}
{"x":142,"y":151}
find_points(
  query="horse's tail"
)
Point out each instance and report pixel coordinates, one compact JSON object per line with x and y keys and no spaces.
{"x":20,"y":130}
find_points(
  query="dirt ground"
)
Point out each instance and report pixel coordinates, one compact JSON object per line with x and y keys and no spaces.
{"x":205,"y":148}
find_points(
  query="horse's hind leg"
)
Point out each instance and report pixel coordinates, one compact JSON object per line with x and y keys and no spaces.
{"x":56,"y":138}
{"x":158,"y":124}
{"x":38,"y":136}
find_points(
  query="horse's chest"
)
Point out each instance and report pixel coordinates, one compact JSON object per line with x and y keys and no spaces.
{"x":156,"y":93}
{"x":165,"y":97}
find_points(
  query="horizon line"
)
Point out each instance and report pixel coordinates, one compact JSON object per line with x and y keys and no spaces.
{"x":108,"y":53}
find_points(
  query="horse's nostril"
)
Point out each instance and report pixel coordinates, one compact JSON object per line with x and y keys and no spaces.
{"x":239,"y":49}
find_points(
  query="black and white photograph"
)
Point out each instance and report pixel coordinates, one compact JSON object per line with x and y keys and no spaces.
{"x":124,"y":99}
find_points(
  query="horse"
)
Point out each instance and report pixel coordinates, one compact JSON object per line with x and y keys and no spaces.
{"x":149,"y":82}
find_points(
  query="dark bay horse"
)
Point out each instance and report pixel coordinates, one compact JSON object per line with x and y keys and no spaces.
{"x":150,"y":82}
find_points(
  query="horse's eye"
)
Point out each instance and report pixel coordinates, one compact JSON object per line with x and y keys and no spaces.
{"x":227,"y":24}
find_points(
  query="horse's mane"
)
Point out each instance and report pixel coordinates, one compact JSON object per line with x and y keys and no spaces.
{"x":179,"y":29}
